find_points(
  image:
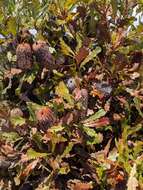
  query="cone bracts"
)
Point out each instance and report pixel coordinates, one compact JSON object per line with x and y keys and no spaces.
{"x":45,"y":117}
{"x":42,"y":54}
{"x":24,"y":56}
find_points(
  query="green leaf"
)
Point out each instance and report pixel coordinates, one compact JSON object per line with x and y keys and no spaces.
{"x":58,"y":73}
{"x":90,"y":132}
{"x":64,"y":170}
{"x":32,"y":107}
{"x":17,"y":121}
{"x":66,"y":49}
{"x":67,"y":149}
{"x":91,"y":56}
{"x":114,"y":4}
{"x":95,"y":138}
{"x":11,"y":26}
{"x":30,"y":78}
{"x":95,"y":116}
{"x":32,"y":154}
{"x":37,"y":138}
{"x":10,"y":136}
{"x":56,"y":129}
{"x":62,"y":91}
{"x":69,"y":3}
{"x":137,"y":102}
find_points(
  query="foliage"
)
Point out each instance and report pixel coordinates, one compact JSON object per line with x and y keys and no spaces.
{"x":71,"y":94}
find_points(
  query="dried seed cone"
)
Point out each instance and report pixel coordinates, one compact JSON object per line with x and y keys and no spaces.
{"x":45,"y":117}
{"x":42,"y":54}
{"x":24,"y":56}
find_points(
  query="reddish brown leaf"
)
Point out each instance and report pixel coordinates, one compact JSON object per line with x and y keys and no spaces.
{"x":82,"y":186}
{"x":98,"y":123}
{"x":54,"y":164}
{"x":29,"y":168}
{"x":12,"y":72}
{"x":81,"y":55}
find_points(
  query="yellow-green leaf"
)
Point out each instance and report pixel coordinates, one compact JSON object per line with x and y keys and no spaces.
{"x":96,"y":116}
{"x":66,"y":49}
{"x":17,"y":121}
{"x":32,"y":154}
{"x":62,"y":91}
{"x":91,"y":56}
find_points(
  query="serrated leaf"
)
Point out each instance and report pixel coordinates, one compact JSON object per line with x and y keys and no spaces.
{"x":37,"y":138}
{"x":137,"y":102}
{"x":32,"y":154}
{"x":11,"y":26}
{"x":95,"y":138}
{"x":30,"y":78}
{"x":56,"y":129}
{"x":17,"y":121}
{"x":91,"y":56}
{"x":81,"y":54}
{"x":64,"y":170}
{"x":66,"y":49}
{"x":114,"y":4}
{"x":29,"y":168}
{"x":10,"y":136}
{"x":32,"y":107}
{"x":95,"y":116}
{"x":62,"y":91}
{"x":67,"y":150}
{"x":132,"y":183}
{"x":69,"y":3}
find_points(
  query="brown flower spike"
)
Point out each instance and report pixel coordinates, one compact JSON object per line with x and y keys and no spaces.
{"x":45,"y":117}
{"x":42,"y":54}
{"x":24,"y":56}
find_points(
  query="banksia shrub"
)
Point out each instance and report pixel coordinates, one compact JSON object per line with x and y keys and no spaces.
{"x":24,"y":56}
{"x":42,"y":54}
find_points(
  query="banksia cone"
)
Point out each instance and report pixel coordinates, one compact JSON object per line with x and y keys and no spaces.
{"x":42,"y":54}
{"x":45,"y":117}
{"x":24,"y":56}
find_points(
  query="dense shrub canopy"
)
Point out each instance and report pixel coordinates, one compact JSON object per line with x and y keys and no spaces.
{"x":71,"y":94}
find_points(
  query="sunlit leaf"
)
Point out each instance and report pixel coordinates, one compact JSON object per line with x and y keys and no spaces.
{"x":62,"y":91}
{"x":114,"y":4}
{"x":11,"y":25}
{"x":137,"y":102}
{"x":67,"y":149}
{"x":95,"y":138}
{"x":132,"y":183}
{"x":18,"y":121}
{"x":30,"y":78}
{"x":10,"y":136}
{"x":97,"y":115}
{"x":64,"y":170}
{"x":32,"y":154}
{"x":66,"y":49}
{"x":56,"y":129}
{"x":91,"y":56}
